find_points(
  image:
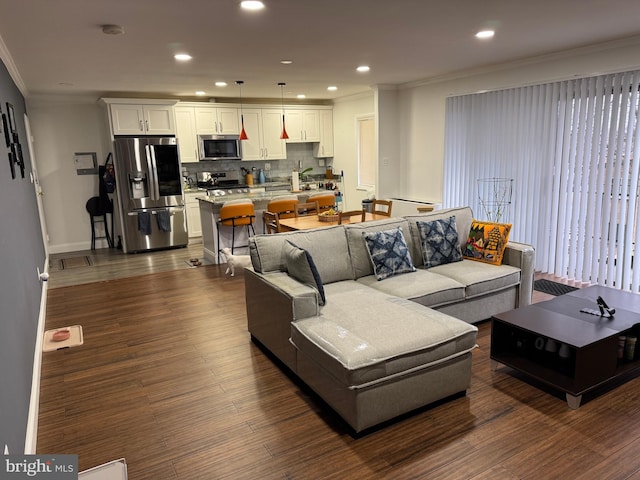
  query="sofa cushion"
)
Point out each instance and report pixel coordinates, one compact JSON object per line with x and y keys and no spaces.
{"x":487,"y":241}
{"x":363,"y":336}
{"x":439,"y":241}
{"x":360,"y":259}
{"x":480,"y":278}
{"x":463,"y":215}
{"x":300,"y":265}
{"x":304,"y":299}
{"x":388,"y":252}
{"x":424,"y":286}
{"x":327,"y":246}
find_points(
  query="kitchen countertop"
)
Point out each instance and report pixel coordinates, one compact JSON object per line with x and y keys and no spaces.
{"x":254,"y":197}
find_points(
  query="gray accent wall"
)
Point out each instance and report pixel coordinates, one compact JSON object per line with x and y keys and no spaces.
{"x":22,"y":252}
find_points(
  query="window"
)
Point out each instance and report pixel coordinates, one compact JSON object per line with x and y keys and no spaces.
{"x":573,"y":150}
{"x":366,"y":152}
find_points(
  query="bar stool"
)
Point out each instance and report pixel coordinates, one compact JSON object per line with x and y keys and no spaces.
{"x":325,"y":201}
{"x":236,"y":213}
{"x":284,"y":206}
{"x":98,"y":209}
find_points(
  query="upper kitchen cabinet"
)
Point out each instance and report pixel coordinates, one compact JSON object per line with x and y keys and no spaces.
{"x":324,"y":148}
{"x":217,"y":120}
{"x":186,"y":133}
{"x":303,"y":125}
{"x":141,"y":117}
{"x":263,"y":126}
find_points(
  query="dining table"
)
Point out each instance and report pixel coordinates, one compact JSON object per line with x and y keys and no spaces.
{"x":308,"y":222}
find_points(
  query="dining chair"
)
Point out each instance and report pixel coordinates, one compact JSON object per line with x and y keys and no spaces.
{"x":386,"y":207}
{"x":271,"y":222}
{"x":236,"y":213}
{"x":427,"y":208}
{"x":325,"y":201}
{"x":351,"y":213}
{"x":306,"y":208}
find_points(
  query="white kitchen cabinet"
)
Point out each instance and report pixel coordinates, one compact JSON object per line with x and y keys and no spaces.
{"x":324,"y":148}
{"x":303,"y":125}
{"x":134,"y":119}
{"x":194,"y":225}
{"x":217,"y":120}
{"x":263,"y":126}
{"x":186,"y":133}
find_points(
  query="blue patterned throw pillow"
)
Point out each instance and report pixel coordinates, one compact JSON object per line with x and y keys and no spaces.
{"x":439,"y":240}
{"x":389,"y":253}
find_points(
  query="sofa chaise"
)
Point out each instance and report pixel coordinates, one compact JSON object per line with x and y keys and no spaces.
{"x":375,"y":349}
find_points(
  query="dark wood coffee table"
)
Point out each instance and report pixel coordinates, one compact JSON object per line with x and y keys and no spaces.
{"x":573,"y":352}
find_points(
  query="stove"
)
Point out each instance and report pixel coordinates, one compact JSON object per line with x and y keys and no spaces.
{"x":219,"y":184}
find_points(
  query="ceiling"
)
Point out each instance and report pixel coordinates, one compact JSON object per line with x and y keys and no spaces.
{"x":58,"y":46}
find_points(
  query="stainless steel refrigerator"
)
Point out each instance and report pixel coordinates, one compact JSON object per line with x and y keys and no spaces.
{"x":150,"y":197}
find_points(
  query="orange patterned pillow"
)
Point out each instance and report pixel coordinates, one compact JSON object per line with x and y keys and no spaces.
{"x":487,"y":241}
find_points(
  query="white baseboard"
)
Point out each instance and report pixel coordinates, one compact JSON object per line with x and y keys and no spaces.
{"x":34,"y":401}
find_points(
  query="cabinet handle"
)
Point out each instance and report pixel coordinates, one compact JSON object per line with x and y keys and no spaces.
{"x":147,"y":124}
{"x":266,"y":153}
{"x":141,"y":127}
{"x":221,"y":129}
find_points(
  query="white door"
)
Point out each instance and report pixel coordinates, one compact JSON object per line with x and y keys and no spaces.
{"x":228,"y":121}
{"x":127,"y":119}
{"x":186,"y":133}
{"x":274,"y":148}
{"x":159,"y":120}
{"x":252,"y":148}
{"x":35,"y":179}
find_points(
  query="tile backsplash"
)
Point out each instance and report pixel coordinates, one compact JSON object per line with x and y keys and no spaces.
{"x":299,"y":155}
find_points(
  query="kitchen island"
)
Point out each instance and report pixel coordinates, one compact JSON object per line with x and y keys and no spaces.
{"x":210,"y":213}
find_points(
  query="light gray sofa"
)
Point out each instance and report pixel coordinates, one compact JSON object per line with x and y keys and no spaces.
{"x":378,"y":349}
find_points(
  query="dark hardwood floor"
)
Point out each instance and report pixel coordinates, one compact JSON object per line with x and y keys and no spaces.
{"x":168,"y":379}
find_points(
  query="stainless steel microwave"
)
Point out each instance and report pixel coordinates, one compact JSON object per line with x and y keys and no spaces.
{"x":219,"y":147}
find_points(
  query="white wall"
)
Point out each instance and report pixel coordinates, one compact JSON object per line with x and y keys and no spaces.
{"x":61,"y":128}
{"x":422,"y":107}
{"x":390,"y":169}
{"x":345,"y":112}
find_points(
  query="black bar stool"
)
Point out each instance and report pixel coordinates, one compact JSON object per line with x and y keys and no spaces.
{"x":98,"y":210}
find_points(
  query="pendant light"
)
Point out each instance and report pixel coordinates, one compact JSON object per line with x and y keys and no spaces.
{"x":243,"y":134}
{"x":284,"y":135}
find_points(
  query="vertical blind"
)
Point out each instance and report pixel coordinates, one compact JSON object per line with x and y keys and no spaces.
{"x":572,"y":149}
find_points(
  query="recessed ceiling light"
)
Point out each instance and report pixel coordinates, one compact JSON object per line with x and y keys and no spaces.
{"x":200,"y":92}
{"x":301,"y":95}
{"x":363,"y":68}
{"x":112,"y":29}
{"x":286,"y":62}
{"x":221,"y":84}
{"x":485,"y":34}
{"x":252,"y":5}
{"x":332,"y":88}
{"x":183,"y":57}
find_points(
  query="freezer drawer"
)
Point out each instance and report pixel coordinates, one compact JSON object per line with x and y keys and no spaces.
{"x":136,"y":240}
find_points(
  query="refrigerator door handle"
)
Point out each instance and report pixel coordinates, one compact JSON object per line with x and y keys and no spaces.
{"x":151,"y":156}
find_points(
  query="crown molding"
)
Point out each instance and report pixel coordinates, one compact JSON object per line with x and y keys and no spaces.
{"x":7,"y":59}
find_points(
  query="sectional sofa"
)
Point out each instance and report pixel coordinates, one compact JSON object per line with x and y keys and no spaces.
{"x":375,"y":349}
